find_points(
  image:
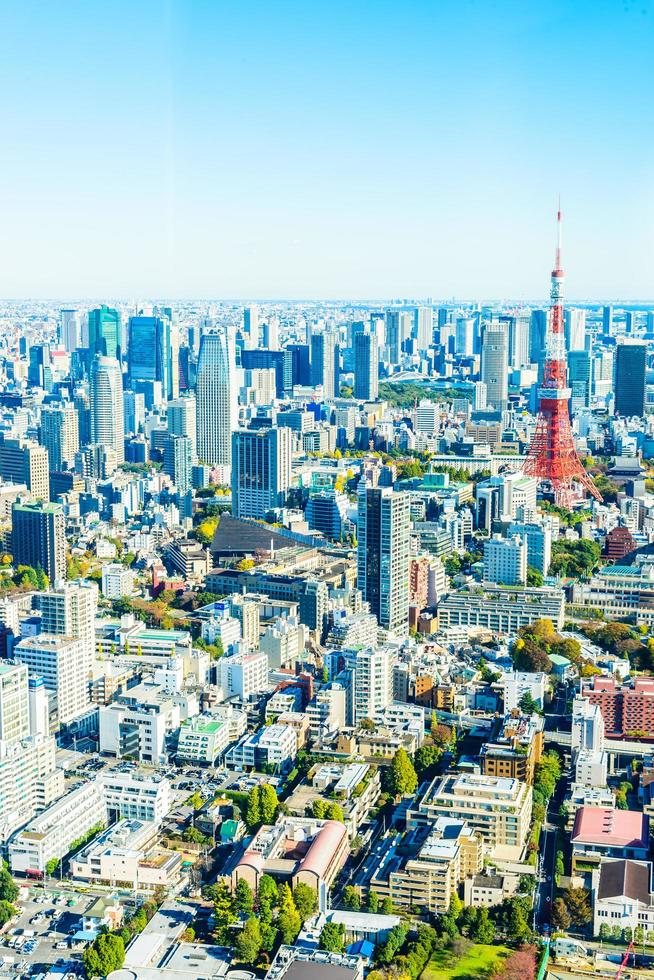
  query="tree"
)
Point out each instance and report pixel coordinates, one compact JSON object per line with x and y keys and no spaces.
{"x":268,"y":803}
{"x":196,"y":801}
{"x":534,"y":577}
{"x":268,"y":891}
{"x":224,"y":913}
{"x":105,"y":955}
{"x":306,"y":900}
{"x":367,"y":725}
{"x":253,"y":808}
{"x":372,"y":904}
{"x":332,"y":937}
{"x":520,"y":965}
{"x":442,"y":734}
{"x":8,"y":888}
{"x":7,"y":912}
{"x":248,"y":942}
{"x":527,"y":704}
{"x":51,"y":866}
{"x":351,"y":899}
{"x":426,"y":759}
{"x":387,"y":907}
{"x":334,"y":812}
{"x":484,"y":930}
{"x":402,"y":778}
{"x":244,"y":899}
{"x":206,"y":529}
{"x":387,"y":952}
{"x":577,"y":901}
{"x":560,"y":915}
{"x":288,"y":919}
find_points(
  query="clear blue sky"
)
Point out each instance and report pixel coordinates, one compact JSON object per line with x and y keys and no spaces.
{"x":200,"y":148}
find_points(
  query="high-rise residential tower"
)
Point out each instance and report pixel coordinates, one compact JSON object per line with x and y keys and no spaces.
{"x":325,"y":357}
{"x":366,"y":366}
{"x":423,"y":328}
{"x":383,"y":531}
{"x":216,"y":395}
{"x":106,"y":396}
{"x":495,"y":363}
{"x":181,"y":414}
{"x":60,"y":435}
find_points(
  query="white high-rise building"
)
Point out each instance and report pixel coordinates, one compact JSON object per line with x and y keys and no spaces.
{"x":14,"y":702}
{"x":505,"y":560}
{"x":495,"y":363}
{"x":181,"y":414}
{"x":69,"y":610}
{"x":373,"y":682}
{"x":423,"y":327}
{"x":106,"y":394}
{"x":69,"y":330}
{"x":217,"y":404}
{"x":587,"y":727}
{"x":426,"y":417}
{"x":60,"y":435}
{"x":574,"y":325}
{"x":59,"y":661}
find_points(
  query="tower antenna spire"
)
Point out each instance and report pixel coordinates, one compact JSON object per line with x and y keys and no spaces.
{"x":552,"y":456}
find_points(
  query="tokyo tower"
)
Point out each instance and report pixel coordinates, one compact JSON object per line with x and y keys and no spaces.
{"x":552,"y":457}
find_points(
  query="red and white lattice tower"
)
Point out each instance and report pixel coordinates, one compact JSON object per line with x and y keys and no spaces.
{"x":552,"y":456}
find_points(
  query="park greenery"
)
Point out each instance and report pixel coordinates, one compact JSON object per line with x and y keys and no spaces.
{"x":535,"y":644}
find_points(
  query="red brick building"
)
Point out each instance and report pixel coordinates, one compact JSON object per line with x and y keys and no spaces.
{"x":626,"y":710}
{"x":618,"y":543}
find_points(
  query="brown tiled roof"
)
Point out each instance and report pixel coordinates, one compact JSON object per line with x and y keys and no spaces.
{"x":628,"y":879}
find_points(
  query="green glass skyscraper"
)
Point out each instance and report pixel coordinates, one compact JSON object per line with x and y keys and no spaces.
{"x":105,"y":332}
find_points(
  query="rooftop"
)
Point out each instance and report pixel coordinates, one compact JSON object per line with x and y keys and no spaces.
{"x":610,"y":828}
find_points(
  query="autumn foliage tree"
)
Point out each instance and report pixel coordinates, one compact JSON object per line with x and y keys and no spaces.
{"x":519,"y":965}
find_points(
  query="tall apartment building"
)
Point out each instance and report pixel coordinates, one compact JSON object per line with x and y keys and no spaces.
{"x":178,"y":461}
{"x":383,"y":529}
{"x":587,"y":726}
{"x":38,"y":538}
{"x":60,"y":661}
{"x":217,"y":399}
{"x":495,"y":364}
{"x":69,"y":610}
{"x":515,"y":748}
{"x":244,"y":675}
{"x":24,"y":461}
{"x":14,"y":702}
{"x":181,"y":416}
{"x":261,"y":470}
{"x":325,"y":358}
{"x":106,"y":398}
{"x":70,"y":336}
{"x":538,"y":538}
{"x":505,"y":560}
{"x":60,"y":435}
{"x":372,"y":680}
{"x":366,"y":366}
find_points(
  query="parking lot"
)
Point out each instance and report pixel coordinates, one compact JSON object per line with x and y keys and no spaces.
{"x":40,"y":936}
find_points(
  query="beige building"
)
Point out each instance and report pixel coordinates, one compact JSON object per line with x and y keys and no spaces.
{"x":495,"y":808}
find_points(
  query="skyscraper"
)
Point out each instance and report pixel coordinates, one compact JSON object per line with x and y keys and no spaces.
{"x":38,"y":538}
{"x":69,"y":330}
{"x":630,"y":363}
{"x":105,"y":332}
{"x":575,"y":329}
{"x":106,"y":396}
{"x":465,"y":336}
{"x":366,"y":366}
{"x":607,"y":320}
{"x":60,"y":435}
{"x":133,"y":412}
{"x":178,"y":461}
{"x":423,"y":328}
{"x":154,"y":353}
{"x":181,"y":414}
{"x":216,"y":394}
{"x":251,"y":326}
{"x":261,"y":470}
{"x":579,"y":379}
{"x":325,"y":356}
{"x":537,"y":335}
{"x":398,"y":328}
{"x":495,"y":363}
{"x":383,"y":531}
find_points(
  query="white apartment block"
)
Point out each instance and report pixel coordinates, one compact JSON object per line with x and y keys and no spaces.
{"x":69,"y":609}
{"x":244,"y":675}
{"x":29,"y":780}
{"x":136,"y":725}
{"x":275,"y":745}
{"x":202,"y":739}
{"x":518,"y":683}
{"x":117,"y":581}
{"x":327,"y":712}
{"x":591,"y":768}
{"x":505,"y":560}
{"x":60,"y":661}
{"x":587,"y":727}
{"x":14,"y":702}
{"x":495,"y":608}
{"x":136,"y":795}
{"x":50,"y":834}
{"x":127,"y":853}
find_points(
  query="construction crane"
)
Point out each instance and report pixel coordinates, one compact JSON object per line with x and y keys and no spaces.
{"x":629,"y":949}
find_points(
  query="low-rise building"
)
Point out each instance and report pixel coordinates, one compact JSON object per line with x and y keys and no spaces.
{"x":517,"y":683}
{"x":501,"y":610}
{"x":600,"y":832}
{"x":622,"y":896}
{"x":127,"y":854}
{"x":117,"y":581}
{"x":137,"y":723}
{"x":515,"y":749}
{"x":244,"y":675}
{"x":487,"y":890}
{"x":297,"y":850}
{"x":202,"y":739}
{"x":136,"y":795}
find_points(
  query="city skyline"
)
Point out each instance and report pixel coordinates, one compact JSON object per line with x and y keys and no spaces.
{"x":326,"y":153}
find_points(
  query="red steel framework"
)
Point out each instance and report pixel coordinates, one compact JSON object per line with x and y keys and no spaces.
{"x":552,"y":457}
